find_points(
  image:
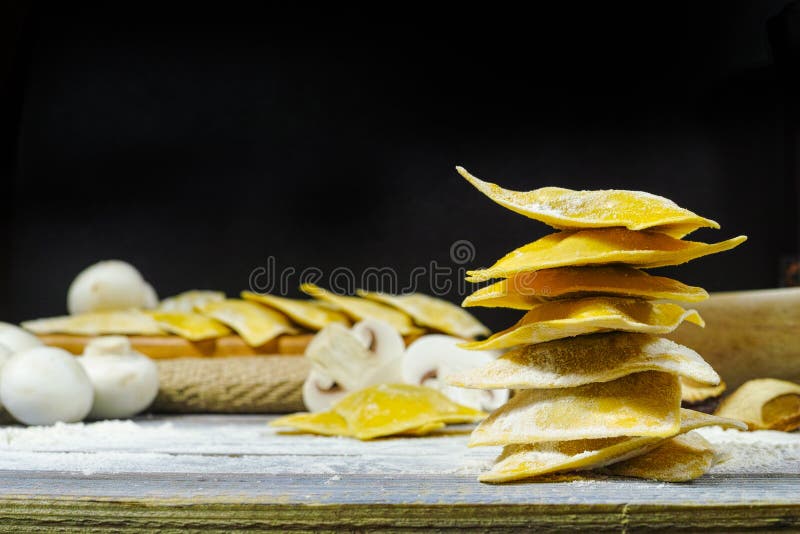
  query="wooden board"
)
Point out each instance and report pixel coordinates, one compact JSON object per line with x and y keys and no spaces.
{"x":168,"y":346}
{"x":225,"y":473}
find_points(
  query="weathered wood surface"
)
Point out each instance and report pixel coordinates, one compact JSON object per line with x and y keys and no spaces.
{"x":228,"y":473}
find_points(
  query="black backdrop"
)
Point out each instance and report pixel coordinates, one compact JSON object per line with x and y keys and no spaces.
{"x":198,"y":144}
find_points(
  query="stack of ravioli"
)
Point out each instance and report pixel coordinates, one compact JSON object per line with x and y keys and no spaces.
{"x":596,"y":387}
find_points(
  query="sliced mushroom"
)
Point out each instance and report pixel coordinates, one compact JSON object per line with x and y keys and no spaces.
{"x":387,"y":347}
{"x":320,"y":391}
{"x":430,"y":359}
{"x":346,"y":360}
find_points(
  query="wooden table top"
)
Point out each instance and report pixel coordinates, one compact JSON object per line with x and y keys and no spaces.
{"x":225,"y":473}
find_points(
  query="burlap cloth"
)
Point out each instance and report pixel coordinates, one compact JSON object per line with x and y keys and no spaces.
{"x":234,"y":384}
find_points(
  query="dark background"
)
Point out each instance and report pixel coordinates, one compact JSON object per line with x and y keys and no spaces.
{"x":196,"y":144}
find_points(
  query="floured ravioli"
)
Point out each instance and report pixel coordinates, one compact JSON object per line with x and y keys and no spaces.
{"x":384,"y":410}
{"x":529,"y":460}
{"x":388,"y":409}
{"x":679,"y":459}
{"x":600,"y":247}
{"x":565,"y":208}
{"x":641,"y":404}
{"x":191,"y":326}
{"x":584,"y":360}
{"x":433,"y":313}
{"x":765,"y":404}
{"x":303,"y":312}
{"x":256,"y":324}
{"x":566,"y":318}
{"x":131,"y":322}
{"x":359,"y":309}
{"x":697,"y":390}
{"x":187,"y":301}
{"x":524,"y":290}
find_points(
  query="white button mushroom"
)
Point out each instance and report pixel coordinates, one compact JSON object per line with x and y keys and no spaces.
{"x":16,"y":339}
{"x":45,"y":385}
{"x":109,"y":285}
{"x":125,"y":381}
{"x":429,"y":360}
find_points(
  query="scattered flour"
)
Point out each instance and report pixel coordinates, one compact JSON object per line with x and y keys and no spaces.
{"x":245,"y":444}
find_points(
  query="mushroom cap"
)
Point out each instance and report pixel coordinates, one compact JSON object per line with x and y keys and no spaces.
{"x":16,"y":339}
{"x":45,"y":385}
{"x":108,"y":285}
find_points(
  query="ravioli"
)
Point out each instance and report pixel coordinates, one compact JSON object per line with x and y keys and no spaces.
{"x":191,"y":326}
{"x":306,"y":313}
{"x":699,"y":390}
{"x":384,"y":410}
{"x":583,"y":360}
{"x":571,"y":248}
{"x":679,"y":459}
{"x":387,"y":409}
{"x":256,"y":324}
{"x":641,"y":404}
{"x":322,"y":423}
{"x":764,"y":404}
{"x":518,"y":462}
{"x":131,"y":322}
{"x":358,"y":309}
{"x":566,"y":318}
{"x":524,"y":290}
{"x":187,"y":301}
{"x":433,"y":313}
{"x":565,"y":208}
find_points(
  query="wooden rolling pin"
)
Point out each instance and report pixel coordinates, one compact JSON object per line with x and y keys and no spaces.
{"x":748,"y":334}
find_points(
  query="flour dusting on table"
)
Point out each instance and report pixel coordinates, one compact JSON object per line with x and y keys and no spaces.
{"x":245,"y":444}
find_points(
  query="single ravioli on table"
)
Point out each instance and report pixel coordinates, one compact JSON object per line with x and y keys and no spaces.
{"x":384,"y":410}
{"x":596,"y":389}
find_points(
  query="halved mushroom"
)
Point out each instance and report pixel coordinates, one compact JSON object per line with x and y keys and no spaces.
{"x":430,"y":359}
{"x":320,"y":391}
{"x":346,"y":360}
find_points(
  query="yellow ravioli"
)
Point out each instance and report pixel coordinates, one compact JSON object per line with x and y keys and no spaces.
{"x":680,"y":459}
{"x":187,"y":301}
{"x":131,"y":322}
{"x":322,"y":423}
{"x":384,"y":410}
{"x":600,"y":247}
{"x":641,"y":404}
{"x":698,"y":390}
{"x":359,"y":309}
{"x":529,"y":460}
{"x":583,"y":360}
{"x":565,"y":208}
{"x":191,"y":326}
{"x":764,"y":404}
{"x":524,"y":290}
{"x":388,"y":409}
{"x":256,"y":324}
{"x":303,"y":312}
{"x":433,"y":313}
{"x":566,"y":318}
